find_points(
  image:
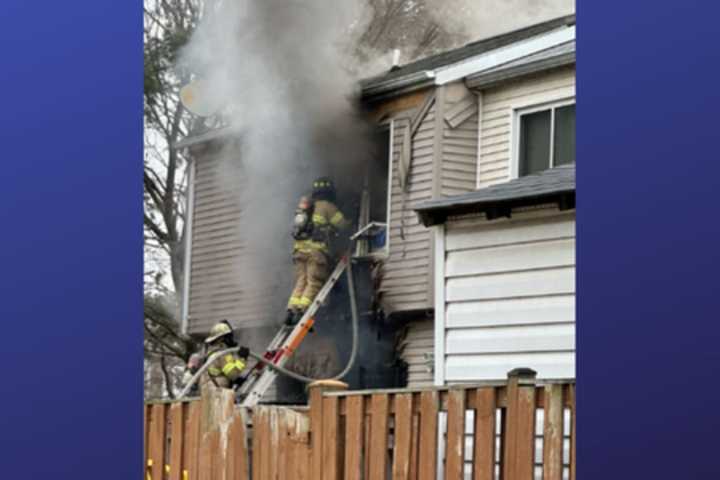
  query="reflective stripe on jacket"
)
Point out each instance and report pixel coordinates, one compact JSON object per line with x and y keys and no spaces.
{"x":226,"y":369}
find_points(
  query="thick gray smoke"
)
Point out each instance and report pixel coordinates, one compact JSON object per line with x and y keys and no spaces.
{"x":279,"y":69}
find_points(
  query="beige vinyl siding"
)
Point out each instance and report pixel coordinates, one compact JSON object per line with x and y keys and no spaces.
{"x":406,"y":273}
{"x":498,"y":105}
{"x":218,"y":262}
{"x":510,"y":296}
{"x":459,"y":150}
{"x":417,"y":343}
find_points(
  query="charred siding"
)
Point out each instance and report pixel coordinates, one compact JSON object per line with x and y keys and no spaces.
{"x":406,"y":272}
{"x":417,"y":345}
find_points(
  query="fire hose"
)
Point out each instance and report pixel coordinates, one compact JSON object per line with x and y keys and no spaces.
{"x":285,"y":371}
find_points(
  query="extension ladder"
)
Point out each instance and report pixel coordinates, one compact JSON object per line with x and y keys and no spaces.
{"x":285,"y":343}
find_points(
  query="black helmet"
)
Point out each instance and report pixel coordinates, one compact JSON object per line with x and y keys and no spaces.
{"x":323,"y":187}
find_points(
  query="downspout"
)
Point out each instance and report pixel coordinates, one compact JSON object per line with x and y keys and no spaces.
{"x":189,"y":208}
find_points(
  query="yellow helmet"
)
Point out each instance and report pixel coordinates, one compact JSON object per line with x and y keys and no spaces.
{"x":218,"y":330}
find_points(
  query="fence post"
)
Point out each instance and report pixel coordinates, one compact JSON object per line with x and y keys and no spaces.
{"x":519,"y":461}
{"x":325,"y":458}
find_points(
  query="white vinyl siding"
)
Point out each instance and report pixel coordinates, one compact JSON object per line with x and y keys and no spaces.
{"x":498,"y":110}
{"x":509,"y":296}
{"x":414,"y":350}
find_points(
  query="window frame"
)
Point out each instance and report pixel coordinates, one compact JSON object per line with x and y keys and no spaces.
{"x":385,"y":252}
{"x":389,"y":125}
{"x":518,"y":113}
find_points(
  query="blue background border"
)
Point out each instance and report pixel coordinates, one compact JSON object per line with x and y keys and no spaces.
{"x":647,"y":240}
{"x":71,"y":206}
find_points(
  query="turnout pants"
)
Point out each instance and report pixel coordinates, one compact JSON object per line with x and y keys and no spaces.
{"x":311,"y":272}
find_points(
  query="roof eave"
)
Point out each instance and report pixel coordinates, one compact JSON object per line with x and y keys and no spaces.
{"x":381,"y":90}
{"x":490,"y":79}
{"x":430,"y":215}
{"x":202,"y":138}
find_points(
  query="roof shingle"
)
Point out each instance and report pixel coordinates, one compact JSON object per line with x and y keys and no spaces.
{"x":555,"y":184}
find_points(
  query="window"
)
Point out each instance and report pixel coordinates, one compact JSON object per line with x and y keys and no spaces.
{"x":546,"y":137}
{"x":372,"y":238}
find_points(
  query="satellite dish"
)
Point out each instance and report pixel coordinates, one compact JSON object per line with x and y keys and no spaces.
{"x":196,"y":98}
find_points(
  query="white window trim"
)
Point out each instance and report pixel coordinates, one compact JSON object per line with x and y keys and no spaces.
{"x":391,"y":144}
{"x":385,"y":251}
{"x":515,"y":134}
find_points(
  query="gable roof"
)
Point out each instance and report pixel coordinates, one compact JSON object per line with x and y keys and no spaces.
{"x":417,"y":74}
{"x":556,"y":185}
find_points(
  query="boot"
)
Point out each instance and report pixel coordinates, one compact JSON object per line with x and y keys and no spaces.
{"x":290,"y":317}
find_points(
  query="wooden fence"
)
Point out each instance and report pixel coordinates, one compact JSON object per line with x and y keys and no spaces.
{"x":515,"y":431}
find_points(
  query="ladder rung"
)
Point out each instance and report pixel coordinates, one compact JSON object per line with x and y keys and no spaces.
{"x":289,"y":341}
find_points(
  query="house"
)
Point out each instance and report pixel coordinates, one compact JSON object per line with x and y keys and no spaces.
{"x":468,"y":126}
{"x":469,"y":209}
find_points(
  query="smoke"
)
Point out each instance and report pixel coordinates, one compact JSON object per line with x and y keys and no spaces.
{"x":281,"y":71}
{"x":481,"y":19}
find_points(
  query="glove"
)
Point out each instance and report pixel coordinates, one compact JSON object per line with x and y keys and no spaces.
{"x":243,"y":352}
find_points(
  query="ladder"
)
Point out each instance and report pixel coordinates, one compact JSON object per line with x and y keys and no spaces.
{"x":285,"y":343}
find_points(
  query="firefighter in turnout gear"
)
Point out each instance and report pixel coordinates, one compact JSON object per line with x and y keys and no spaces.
{"x":316,"y":220}
{"x":225,"y":371}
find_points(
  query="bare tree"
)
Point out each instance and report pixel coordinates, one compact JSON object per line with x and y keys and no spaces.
{"x":406,"y":25}
{"x":168,"y":25}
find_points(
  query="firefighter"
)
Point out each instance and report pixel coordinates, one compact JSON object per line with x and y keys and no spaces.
{"x":316,"y":220}
{"x":225,"y":371}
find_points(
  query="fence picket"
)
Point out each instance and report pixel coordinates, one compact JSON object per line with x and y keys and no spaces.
{"x":176,"y":441}
{"x":429,"y":406}
{"x":455,"y":451}
{"x":484,"y":441}
{"x":146,"y":422}
{"x":283,"y":455}
{"x":354,"y":420}
{"x":553,"y":433}
{"x":520,"y":435}
{"x":332,"y":439}
{"x":237,"y":449}
{"x":192,"y":442}
{"x":156,"y":442}
{"x":366,"y":445}
{"x":316,"y":419}
{"x":403,"y":436}
{"x":414,"y":442}
{"x":205,"y":464}
{"x":379,"y":432}
{"x":571,"y":394}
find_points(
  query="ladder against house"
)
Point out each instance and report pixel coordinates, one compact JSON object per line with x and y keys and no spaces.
{"x":286,"y":341}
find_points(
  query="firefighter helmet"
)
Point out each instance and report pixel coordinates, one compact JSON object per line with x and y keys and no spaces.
{"x":219,"y":330}
{"x":323,"y":186}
